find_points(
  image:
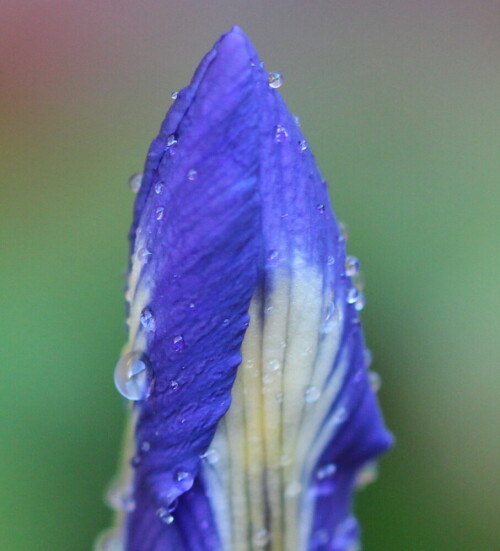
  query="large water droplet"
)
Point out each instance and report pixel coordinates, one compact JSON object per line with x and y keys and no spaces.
{"x":174,"y":95}
{"x":352,"y":265}
{"x":130,"y":376}
{"x":275,"y":80}
{"x":312,"y":394}
{"x":147,"y":320}
{"x":135,"y":181}
{"x":143,"y":255}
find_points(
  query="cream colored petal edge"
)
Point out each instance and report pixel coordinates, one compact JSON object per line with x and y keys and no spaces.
{"x":274,"y":432}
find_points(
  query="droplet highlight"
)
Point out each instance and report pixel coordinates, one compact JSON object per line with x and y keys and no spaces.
{"x":275,"y":80}
{"x":130,"y":376}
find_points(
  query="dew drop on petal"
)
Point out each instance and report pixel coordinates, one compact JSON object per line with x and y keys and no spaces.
{"x":366,"y":475}
{"x":171,"y":140}
{"x":275,"y":80}
{"x":293,"y":489}
{"x":192,"y":174}
{"x":159,"y":213}
{"x":352,"y":266}
{"x":158,"y":188}
{"x":303,"y":145}
{"x":211,"y":456}
{"x":184,"y":479}
{"x":375,"y":380}
{"x":273,"y":365}
{"x":147,"y":320}
{"x":360,"y":302}
{"x":352,"y":295}
{"x":109,"y":540}
{"x":312,"y":394}
{"x":280,"y":134}
{"x":326,"y":471}
{"x":145,"y":446}
{"x":164,"y":515}
{"x":174,"y":95}
{"x":178,"y":343}
{"x":261,"y":538}
{"x":321,"y":208}
{"x":272,"y":255}
{"x":130,"y":376}
{"x":135,"y":181}
{"x":143,"y":255}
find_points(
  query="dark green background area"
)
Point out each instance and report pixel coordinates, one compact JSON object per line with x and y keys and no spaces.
{"x":399,"y":101}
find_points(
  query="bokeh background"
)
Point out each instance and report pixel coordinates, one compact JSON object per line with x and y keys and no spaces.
{"x":400,"y":102}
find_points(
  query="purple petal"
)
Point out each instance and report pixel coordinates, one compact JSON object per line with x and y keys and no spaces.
{"x":197,"y":272}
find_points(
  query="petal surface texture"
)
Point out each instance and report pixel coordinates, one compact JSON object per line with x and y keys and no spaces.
{"x":254,"y":414}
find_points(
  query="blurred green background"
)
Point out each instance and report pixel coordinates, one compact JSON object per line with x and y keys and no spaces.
{"x":399,"y":101}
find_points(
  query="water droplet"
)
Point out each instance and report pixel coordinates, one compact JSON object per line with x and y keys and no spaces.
{"x":293,"y":489}
{"x":273,"y":365}
{"x":147,"y":320}
{"x":192,"y":174}
{"x":174,"y":95}
{"x":159,"y":213}
{"x":275,"y":80}
{"x":261,"y":538}
{"x":143,"y":255}
{"x":135,"y":181}
{"x":321,"y":208}
{"x":164,"y":515}
{"x":344,"y":231}
{"x":159,"y":188}
{"x":145,"y":446}
{"x":352,"y":265}
{"x":280,"y":134}
{"x":366,"y":475}
{"x":211,"y":456}
{"x":330,"y":260}
{"x":297,"y":121}
{"x":184,"y":479}
{"x":329,"y":324}
{"x":375,"y":380}
{"x":272,"y":255}
{"x":326,"y":471}
{"x":171,"y":140}
{"x":360,"y":302}
{"x":174,"y":385}
{"x":311,"y":394}
{"x":320,"y":538}
{"x":303,"y":145}
{"x":109,"y":540}
{"x":225,"y":322}
{"x":268,"y":378}
{"x":352,"y":295}
{"x":130,"y":376}
{"x":178,"y":343}
{"x":117,"y":498}
{"x":339,"y":416}
{"x":192,"y":305}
